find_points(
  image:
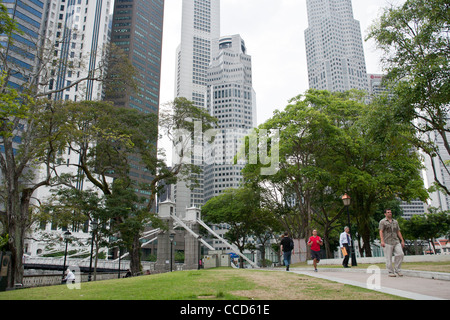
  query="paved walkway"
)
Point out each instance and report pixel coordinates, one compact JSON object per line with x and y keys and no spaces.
{"x":413,"y":285}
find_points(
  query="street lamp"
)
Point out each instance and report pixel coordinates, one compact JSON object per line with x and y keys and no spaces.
{"x":347,"y":200}
{"x":94,"y":225}
{"x":171,"y":237}
{"x":66,"y":236}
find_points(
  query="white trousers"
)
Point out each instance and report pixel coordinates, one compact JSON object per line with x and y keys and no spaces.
{"x":397,"y":250}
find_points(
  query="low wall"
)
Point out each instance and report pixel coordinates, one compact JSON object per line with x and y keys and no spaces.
{"x":30,"y":281}
{"x":41,"y":280}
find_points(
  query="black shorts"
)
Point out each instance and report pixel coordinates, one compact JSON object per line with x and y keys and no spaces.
{"x":315,"y":255}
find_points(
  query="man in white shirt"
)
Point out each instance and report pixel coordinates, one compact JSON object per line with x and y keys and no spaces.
{"x":70,"y":277}
{"x":344,"y":242}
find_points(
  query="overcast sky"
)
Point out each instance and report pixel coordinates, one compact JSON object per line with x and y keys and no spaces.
{"x":273,"y":31}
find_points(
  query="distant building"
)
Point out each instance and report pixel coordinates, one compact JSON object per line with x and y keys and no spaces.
{"x":437,"y":166}
{"x":200,"y":26}
{"x":75,"y":37}
{"x":334,"y":47}
{"x":22,"y":54}
{"x":232,"y":100}
{"x":375,"y":84}
{"x":137,"y":29}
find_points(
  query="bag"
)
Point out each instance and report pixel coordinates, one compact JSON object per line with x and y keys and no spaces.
{"x":291,"y":243}
{"x":344,"y":251}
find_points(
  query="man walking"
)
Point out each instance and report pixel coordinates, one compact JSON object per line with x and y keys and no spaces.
{"x":392,"y":242}
{"x":315,"y":242}
{"x":344,"y":244}
{"x":287,"y":245}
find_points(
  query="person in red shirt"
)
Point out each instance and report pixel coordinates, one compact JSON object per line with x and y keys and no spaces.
{"x":315,"y":242}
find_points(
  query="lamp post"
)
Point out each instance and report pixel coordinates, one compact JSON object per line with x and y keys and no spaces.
{"x":120,"y":253}
{"x":171,"y":237}
{"x":347,"y":200}
{"x":94,"y":229}
{"x":66,"y":236}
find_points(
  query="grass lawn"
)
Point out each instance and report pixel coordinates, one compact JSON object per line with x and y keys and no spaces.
{"x":211,"y":284}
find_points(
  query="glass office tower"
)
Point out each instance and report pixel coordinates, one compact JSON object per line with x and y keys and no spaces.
{"x":137,"y":29}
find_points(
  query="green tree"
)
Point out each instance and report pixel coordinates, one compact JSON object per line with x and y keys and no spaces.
{"x":414,"y":38}
{"x":76,"y":209}
{"x":328,"y":146}
{"x":429,"y":226}
{"x":177,"y":122}
{"x":128,"y":216}
{"x":380,"y":168}
{"x":265,"y":227}
{"x":106,"y":137}
{"x":32,"y":137}
{"x":7,"y":24}
{"x":237,"y":208}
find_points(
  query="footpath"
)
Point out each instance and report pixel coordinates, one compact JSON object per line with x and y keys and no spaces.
{"x":416,"y":285}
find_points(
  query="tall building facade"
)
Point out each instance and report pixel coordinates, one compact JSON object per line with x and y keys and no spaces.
{"x":200,"y":26}
{"x":79,"y":33}
{"x":22,"y":54}
{"x":75,"y":40}
{"x":436,"y":168}
{"x":334,"y":47}
{"x":137,"y":30}
{"x":232,"y":100}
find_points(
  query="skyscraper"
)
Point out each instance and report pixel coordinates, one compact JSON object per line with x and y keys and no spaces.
{"x":231,"y":99}
{"x":21,"y":55}
{"x":200,"y":25}
{"x":334,"y":47}
{"x":79,"y":32}
{"x":137,"y":29}
{"x":76,"y":35}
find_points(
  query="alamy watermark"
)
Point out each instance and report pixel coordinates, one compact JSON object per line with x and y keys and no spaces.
{"x":374,"y":281}
{"x":229,"y":146}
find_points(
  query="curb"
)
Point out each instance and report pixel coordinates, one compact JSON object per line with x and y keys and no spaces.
{"x":409,"y":273}
{"x":391,"y":291}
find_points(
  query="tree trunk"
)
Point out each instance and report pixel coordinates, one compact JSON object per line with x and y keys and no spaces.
{"x":96,"y":256}
{"x":263,"y":255}
{"x":326,"y":243}
{"x":135,"y":255}
{"x":15,"y":243}
{"x":18,"y":217}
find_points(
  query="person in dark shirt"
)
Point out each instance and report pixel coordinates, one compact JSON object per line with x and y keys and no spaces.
{"x":287,"y":245}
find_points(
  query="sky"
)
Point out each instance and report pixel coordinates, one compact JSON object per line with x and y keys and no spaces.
{"x":273,"y":31}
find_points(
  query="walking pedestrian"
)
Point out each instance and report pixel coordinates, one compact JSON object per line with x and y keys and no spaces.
{"x":344,"y":243}
{"x":287,"y":245}
{"x":315,"y":242}
{"x":392,"y":242}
